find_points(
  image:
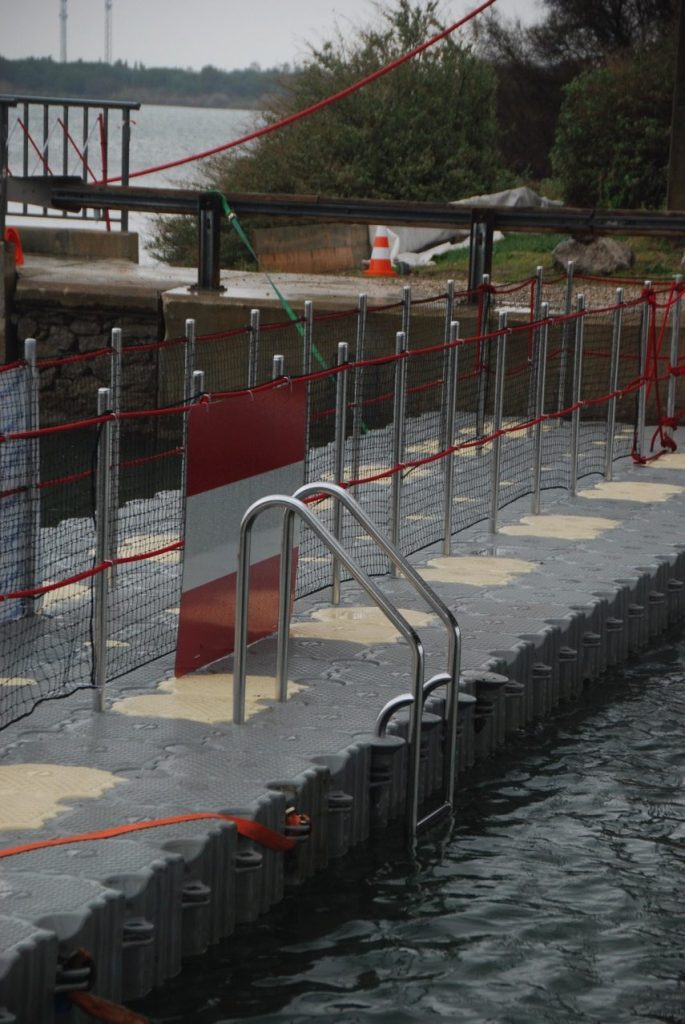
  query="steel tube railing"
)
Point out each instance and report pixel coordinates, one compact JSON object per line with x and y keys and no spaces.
{"x":294,"y":507}
{"x":577,"y":391}
{"x":540,"y":376}
{"x":617,"y":322}
{"x":501,"y":342}
{"x":452,"y":371}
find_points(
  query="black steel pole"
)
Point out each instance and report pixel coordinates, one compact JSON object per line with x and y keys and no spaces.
{"x":676,"y":164}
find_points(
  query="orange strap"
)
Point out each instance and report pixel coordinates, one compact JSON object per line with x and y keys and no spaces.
{"x":261,"y":834}
{"x":12,"y":235}
{"x":101,"y":1009}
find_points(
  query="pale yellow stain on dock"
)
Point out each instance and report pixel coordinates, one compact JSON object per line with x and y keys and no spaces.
{"x":476,"y":570}
{"x":674,"y":460}
{"x":643,"y":491}
{"x":144,"y":542}
{"x":202,"y":697}
{"x":30,"y":794}
{"x":17,"y":681}
{"x":357,"y":624}
{"x":563,"y":527}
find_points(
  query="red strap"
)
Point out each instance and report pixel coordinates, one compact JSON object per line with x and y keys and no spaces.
{"x":102,"y":1010}
{"x":261,"y":834}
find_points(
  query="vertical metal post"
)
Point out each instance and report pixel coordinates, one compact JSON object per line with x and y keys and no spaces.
{"x":498,"y":411}
{"x":406,"y":311}
{"x":577,"y":391}
{"x":277,"y":367}
{"x":339,"y":471}
{"x":4,"y":133}
{"x":125,"y":157}
{"x":537,"y":306}
{"x":398,"y":432}
{"x":284,"y":605}
{"x":102,"y":549}
{"x":540,"y":357}
{"x":449,"y":312}
{"x":189,"y":359}
{"x":642,"y":393}
{"x":565,"y":336}
{"x":483,"y":355}
{"x":253,"y":355}
{"x":673,"y":357}
{"x":613,"y":384}
{"x":358,"y":385}
{"x":448,"y":437}
{"x":209,"y":242}
{"x":306,"y":369}
{"x":198,"y":383}
{"x":33,"y":472}
{"x":115,"y":388}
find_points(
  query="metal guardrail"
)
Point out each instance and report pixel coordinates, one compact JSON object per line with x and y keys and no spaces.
{"x":292,"y":507}
{"x":59,"y":133}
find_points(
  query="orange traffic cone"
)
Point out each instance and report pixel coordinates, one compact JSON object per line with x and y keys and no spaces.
{"x":12,"y":235}
{"x":379,"y":264}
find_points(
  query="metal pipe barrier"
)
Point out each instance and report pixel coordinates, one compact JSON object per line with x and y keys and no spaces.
{"x":291,"y":507}
{"x":103,"y":552}
{"x":540,"y":357}
{"x":451,"y":677}
{"x":399,"y":406}
{"x":501,"y":342}
{"x":451,"y":375}
{"x":577,"y":390}
{"x":617,"y":323}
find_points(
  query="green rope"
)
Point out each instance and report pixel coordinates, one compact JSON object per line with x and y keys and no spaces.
{"x":240,"y":232}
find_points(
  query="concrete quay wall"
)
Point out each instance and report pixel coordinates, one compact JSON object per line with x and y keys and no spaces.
{"x":547,"y":607}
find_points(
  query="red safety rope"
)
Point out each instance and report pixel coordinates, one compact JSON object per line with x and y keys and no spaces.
{"x":246,"y":827}
{"x":320,"y":105}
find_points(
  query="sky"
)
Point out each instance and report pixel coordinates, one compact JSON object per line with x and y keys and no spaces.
{"x":193,"y":33}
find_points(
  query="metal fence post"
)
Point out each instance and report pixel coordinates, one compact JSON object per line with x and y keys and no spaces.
{"x":565,"y":336}
{"x":537,"y":306}
{"x":358,"y":385}
{"x":398,"y":432}
{"x":673,"y":357}
{"x":642,"y":392}
{"x":449,"y":313}
{"x":198,"y":384}
{"x":306,"y":369}
{"x":540,"y":357}
{"x":613,"y":384}
{"x":448,"y":436}
{"x":33,"y":472}
{"x":103,"y":480}
{"x":253,"y":357}
{"x":406,"y":310}
{"x":339,"y":471}
{"x":115,"y":387}
{"x":497,"y":418}
{"x":482,"y":354}
{"x":577,"y":391}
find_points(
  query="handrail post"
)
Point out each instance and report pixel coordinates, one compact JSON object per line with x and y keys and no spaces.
{"x":642,"y":392}
{"x":577,"y":391}
{"x":307,"y":343}
{"x":448,"y":437}
{"x":675,"y":344}
{"x":115,"y":387}
{"x":497,"y":418}
{"x":33,"y":474}
{"x":358,"y":389}
{"x":339,"y":471}
{"x":399,"y":405}
{"x":406,"y":311}
{"x":613,"y":384}
{"x":449,"y":307}
{"x":253,"y":355}
{"x":565,"y":332}
{"x":540,"y":358}
{"x":482,"y":354}
{"x":103,"y":552}
{"x":536,"y":311}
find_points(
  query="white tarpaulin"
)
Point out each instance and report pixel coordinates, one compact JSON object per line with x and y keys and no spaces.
{"x":418,"y":246}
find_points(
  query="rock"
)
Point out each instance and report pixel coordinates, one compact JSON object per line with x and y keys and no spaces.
{"x":600,"y":256}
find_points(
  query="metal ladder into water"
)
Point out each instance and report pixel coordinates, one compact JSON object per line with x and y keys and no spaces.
{"x":293,"y":506}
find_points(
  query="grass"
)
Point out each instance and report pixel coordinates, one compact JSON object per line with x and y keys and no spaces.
{"x":517,"y":256}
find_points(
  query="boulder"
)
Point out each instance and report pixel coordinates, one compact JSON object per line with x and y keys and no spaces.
{"x":599,"y":257}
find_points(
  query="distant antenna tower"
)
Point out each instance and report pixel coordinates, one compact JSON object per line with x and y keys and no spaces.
{"x":108,"y":31}
{"x":63,"y":31}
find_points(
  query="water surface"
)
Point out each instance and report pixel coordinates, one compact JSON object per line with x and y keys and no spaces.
{"x":556,"y":896}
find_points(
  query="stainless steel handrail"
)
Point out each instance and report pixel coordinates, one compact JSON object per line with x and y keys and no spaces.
{"x":292,"y":507}
{"x":339,"y":493}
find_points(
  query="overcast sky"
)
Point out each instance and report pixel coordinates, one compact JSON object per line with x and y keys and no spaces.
{"x":192,"y":33}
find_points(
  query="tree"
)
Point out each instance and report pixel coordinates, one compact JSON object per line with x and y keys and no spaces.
{"x":612,"y":142}
{"x":427,"y":131}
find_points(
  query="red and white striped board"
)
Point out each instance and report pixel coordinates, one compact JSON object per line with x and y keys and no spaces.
{"x":239,"y":449}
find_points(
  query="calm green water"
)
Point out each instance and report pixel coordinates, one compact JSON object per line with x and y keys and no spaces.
{"x":557,"y":896}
